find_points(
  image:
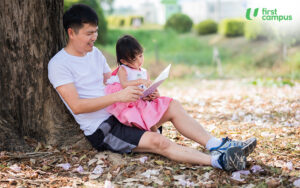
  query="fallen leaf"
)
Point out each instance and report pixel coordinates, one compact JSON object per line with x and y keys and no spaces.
{"x":159,"y":162}
{"x":149,"y":173}
{"x":297,"y":183}
{"x":98,"y":170}
{"x":65,"y":166}
{"x":92,"y":161}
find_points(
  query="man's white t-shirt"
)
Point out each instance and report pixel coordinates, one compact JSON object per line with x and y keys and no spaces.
{"x":87,"y":75}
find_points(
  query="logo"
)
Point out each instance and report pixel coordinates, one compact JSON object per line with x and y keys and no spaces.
{"x":268,"y":15}
{"x":249,"y":11}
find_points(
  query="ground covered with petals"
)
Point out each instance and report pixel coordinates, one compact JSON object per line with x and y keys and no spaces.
{"x":238,"y":109}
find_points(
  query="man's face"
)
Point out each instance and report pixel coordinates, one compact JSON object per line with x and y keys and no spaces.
{"x":83,"y":40}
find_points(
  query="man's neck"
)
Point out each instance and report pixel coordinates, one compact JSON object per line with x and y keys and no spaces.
{"x":72,"y":51}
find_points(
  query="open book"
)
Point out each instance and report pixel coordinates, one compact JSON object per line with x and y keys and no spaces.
{"x":161,"y":77}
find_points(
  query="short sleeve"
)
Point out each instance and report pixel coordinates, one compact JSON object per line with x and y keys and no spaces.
{"x":59,"y":74}
{"x":106,"y":67}
{"x":103,"y":61}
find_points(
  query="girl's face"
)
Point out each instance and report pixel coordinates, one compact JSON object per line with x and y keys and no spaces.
{"x":136,"y":63}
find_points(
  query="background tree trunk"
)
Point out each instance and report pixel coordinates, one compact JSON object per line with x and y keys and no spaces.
{"x":31,"y":32}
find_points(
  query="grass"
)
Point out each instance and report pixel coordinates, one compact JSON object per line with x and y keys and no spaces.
{"x":191,"y":55}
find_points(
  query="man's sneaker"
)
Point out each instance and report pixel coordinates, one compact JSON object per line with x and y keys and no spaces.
{"x":246,"y":146}
{"x":232,"y":159}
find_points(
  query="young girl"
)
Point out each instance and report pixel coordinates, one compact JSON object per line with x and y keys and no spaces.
{"x":144,"y":113}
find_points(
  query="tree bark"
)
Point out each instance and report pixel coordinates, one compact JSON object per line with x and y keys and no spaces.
{"x":31,"y":32}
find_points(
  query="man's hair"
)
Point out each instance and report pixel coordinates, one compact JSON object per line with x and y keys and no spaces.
{"x":78,"y":15}
{"x":127,"y":48}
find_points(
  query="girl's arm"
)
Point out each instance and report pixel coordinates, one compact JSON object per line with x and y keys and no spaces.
{"x":122,"y":74}
{"x":106,"y":76}
{"x":152,"y":96}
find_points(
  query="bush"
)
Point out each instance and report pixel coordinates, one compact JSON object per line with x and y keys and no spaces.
{"x":102,"y":24}
{"x":207,"y":27}
{"x":254,"y":30}
{"x":180,"y":23}
{"x":232,"y":27}
{"x":116,"y":21}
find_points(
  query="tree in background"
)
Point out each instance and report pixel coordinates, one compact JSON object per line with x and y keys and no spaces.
{"x":110,"y":5}
{"x":102,"y":25}
{"x":31,"y":32}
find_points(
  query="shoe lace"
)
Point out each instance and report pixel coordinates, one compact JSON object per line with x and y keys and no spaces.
{"x":224,"y":140}
{"x":221,"y":161}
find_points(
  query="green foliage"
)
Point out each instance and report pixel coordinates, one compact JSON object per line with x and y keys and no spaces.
{"x":206,"y":27}
{"x":172,"y":47}
{"x":232,"y":27}
{"x":255,"y":30}
{"x":273,"y":82}
{"x":239,"y":57}
{"x":102,"y":24}
{"x":181,"y":23}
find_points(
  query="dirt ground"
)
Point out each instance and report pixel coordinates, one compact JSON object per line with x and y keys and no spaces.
{"x":232,"y":108}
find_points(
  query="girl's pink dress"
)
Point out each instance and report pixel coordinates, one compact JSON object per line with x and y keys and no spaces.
{"x":142,"y":114}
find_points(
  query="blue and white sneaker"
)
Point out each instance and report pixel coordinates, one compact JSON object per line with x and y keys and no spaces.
{"x":232,"y":159}
{"x":247,"y":146}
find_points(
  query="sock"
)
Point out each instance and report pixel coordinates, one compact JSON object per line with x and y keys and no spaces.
{"x":213,"y":142}
{"x":214,"y":161}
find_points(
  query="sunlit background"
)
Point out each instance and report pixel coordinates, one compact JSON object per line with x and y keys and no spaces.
{"x":205,"y":39}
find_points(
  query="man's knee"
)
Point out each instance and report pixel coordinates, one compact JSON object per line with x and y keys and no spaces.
{"x":161,"y":143}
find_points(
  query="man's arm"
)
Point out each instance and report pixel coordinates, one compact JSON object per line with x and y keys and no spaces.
{"x":78,"y":106}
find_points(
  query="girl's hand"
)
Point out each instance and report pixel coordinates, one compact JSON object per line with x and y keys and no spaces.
{"x":144,"y":82}
{"x":152,"y":96}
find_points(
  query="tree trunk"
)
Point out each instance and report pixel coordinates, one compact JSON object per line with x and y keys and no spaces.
{"x":31,"y":32}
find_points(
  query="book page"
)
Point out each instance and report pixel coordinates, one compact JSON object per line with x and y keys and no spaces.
{"x":161,"y":77}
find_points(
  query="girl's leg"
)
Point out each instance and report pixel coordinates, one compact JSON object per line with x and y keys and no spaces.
{"x":154,"y":128}
{"x":185,"y":124}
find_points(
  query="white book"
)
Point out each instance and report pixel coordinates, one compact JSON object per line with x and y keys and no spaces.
{"x":160,"y":79}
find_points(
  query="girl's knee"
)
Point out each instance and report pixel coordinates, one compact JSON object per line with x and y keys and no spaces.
{"x":175,"y":103}
{"x":174,"y":108}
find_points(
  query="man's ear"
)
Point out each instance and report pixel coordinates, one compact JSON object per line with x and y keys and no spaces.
{"x":71,"y":32}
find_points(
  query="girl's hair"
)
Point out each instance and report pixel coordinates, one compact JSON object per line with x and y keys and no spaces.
{"x":127,"y":48}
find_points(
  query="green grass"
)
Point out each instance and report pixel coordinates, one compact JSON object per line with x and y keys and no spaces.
{"x":192,"y":55}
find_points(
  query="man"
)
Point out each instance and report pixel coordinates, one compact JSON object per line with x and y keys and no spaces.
{"x":78,"y":72}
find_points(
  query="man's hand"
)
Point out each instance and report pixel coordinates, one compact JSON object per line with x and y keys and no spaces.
{"x":129,"y":94}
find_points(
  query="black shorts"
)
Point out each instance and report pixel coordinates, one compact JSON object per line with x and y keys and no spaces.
{"x":114,"y":136}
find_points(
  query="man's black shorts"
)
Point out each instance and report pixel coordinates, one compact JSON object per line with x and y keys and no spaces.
{"x":114,"y":136}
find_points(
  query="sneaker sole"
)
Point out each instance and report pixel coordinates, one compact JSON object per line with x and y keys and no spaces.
{"x":249,"y":148}
{"x":236,"y":158}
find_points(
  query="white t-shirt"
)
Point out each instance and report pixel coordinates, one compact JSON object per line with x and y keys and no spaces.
{"x":87,"y":75}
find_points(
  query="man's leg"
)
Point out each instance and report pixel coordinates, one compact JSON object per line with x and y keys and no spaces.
{"x":231,"y":160}
{"x":156,"y":143}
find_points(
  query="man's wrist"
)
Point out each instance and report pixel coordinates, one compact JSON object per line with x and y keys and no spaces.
{"x":115,"y":97}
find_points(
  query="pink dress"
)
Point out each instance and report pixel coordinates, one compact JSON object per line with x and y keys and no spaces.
{"x":142,"y":114}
